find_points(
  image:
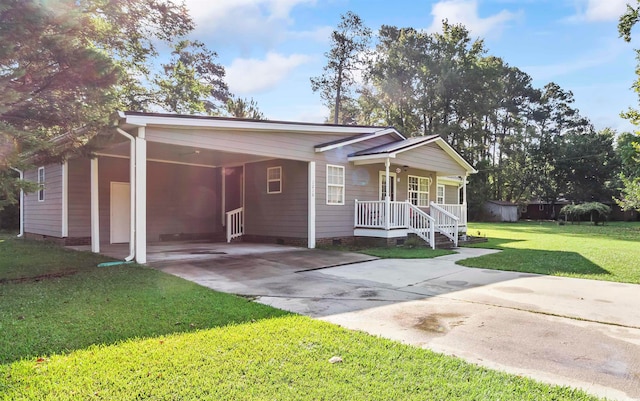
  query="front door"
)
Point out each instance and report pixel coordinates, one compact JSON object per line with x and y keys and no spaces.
{"x":383,"y":185}
{"x":120,"y":212}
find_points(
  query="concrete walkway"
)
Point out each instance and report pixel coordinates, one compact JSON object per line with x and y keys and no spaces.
{"x":582,"y":333}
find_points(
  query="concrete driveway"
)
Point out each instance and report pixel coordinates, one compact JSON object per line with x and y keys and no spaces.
{"x":582,"y":333}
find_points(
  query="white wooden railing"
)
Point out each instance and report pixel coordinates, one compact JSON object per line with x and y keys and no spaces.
{"x":446,"y":223}
{"x":460,"y":211}
{"x":371,"y":214}
{"x":445,"y":219}
{"x":421,"y":224}
{"x":235,"y":223}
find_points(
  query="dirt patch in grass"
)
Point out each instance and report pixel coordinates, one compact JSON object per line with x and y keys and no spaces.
{"x":39,"y":277}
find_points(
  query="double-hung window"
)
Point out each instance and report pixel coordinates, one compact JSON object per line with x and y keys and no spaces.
{"x":335,"y":185}
{"x":440,"y":194}
{"x":41,"y":184}
{"x":274,"y":180}
{"x":418,"y":190}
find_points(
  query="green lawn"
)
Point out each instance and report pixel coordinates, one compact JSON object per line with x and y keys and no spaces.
{"x":610,"y":252}
{"x":135,"y":333}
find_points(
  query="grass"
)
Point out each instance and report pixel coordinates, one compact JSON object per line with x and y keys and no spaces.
{"x":135,"y":333}
{"x":607,"y":252}
{"x":405,"y":252}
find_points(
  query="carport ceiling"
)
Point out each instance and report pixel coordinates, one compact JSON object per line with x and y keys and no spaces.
{"x":185,"y":154}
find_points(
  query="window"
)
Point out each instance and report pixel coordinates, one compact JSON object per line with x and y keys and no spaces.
{"x":335,"y":185}
{"x":41,"y":184}
{"x":419,"y":190}
{"x":274,"y":180}
{"x":440,"y":194}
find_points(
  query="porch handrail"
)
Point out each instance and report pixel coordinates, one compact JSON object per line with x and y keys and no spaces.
{"x":421,"y":224}
{"x":458,"y":210}
{"x":446,"y":222}
{"x":235,"y":223}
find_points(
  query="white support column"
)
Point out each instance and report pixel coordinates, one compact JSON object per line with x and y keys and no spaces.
{"x":95,"y":209}
{"x":141,"y":197}
{"x":311,"y":213}
{"x":387,"y":198}
{"x":223,"y":196}
{"x":65,"y":200}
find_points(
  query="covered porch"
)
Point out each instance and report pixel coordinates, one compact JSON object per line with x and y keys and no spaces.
{"x":424,"y":211}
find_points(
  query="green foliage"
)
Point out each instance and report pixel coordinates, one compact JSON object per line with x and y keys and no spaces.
{"x":630,"y":195}
{"x":585,"y":251}
{"x":598,"y":212}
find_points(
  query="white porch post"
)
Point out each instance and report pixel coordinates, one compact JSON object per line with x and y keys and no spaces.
{"x":311,"y":214}
{"x":65,"y":199}
{"x":95,"y":210}
{"x":387,"y":198}
{"x":141,"y":197}
{"x":223,"y":196}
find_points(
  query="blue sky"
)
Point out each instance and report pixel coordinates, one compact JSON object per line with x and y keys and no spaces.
{"x":270,"y":48}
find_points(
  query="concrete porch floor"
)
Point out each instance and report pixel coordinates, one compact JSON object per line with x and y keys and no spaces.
{"x":159,"y":252}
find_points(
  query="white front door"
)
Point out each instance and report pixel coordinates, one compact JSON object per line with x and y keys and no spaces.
{"x":120,"y":212}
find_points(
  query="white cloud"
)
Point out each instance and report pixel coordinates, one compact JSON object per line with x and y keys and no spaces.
{"x":598,"y":57}
{"x":466,"y":12}
{"x":599,"y":10}
{"x":243,"y":22}
{"x":247,"y":76}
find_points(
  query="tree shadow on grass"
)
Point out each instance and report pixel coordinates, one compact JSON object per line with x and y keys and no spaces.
{"x":557,"y":263}
{"x":109,"y":306}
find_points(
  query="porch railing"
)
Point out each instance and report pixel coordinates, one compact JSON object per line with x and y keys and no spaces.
{"x":446,"y":222}
{"x":371,"y":214}
{"x":421,"y":224}
{"x":445,"y":219}
{"x":235,"y":223}
{"x":460,"y":211}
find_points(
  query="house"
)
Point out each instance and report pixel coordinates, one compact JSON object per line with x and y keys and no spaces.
{"x":501,"y":211}
{"x":163,"y":177}
{"x":538,"y":209}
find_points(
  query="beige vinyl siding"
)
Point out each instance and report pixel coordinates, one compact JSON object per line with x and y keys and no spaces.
{"x":44,"y":218}
{"x":283,"y":214}
{"x":361,"y":182}
{"x":286,"y":145}
{"x":451,"y":194}
{"x":430,"y":157}
{"x":79,"y":191}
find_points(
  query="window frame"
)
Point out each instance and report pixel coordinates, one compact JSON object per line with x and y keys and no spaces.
{"x":272,"y":180}
{"x":418,"y":192}
{"x":342,"y":186}
{"x":444,"y":192}
{"x":41,"y":182}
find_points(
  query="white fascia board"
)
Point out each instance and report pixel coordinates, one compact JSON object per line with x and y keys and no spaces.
{"x":371,"y":159}
{"x":449,"y":180}
{"x":376,"y":134}
{"x":143,"y":120}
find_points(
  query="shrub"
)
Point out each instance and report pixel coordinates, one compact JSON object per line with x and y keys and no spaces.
{"x":597,"y":212}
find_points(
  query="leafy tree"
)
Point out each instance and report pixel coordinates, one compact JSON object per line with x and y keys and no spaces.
{"x":348,"y":48}
{"x":243,"y":108}
{"x":630,"y":197}
{"x":191,"y":83}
